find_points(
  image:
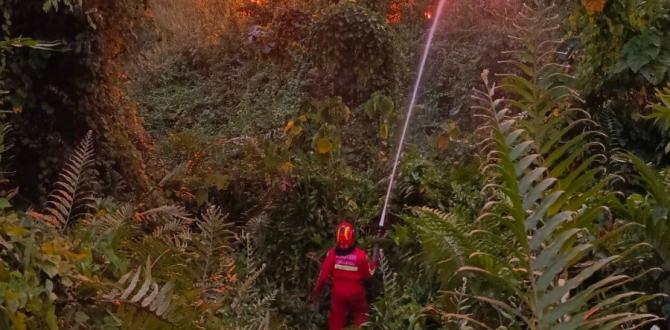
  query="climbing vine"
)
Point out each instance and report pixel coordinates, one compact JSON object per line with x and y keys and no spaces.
{"x":354,"y":46}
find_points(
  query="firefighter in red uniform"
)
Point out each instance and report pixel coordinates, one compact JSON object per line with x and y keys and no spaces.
{"x":348,"y":267}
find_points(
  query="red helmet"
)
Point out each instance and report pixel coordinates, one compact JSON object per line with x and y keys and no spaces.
{"x":345,"y":235}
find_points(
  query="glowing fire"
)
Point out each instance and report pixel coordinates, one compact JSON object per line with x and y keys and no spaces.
{"x":594,"y":6}
{"x":206,"y":11}
{"x":398,"y":8}
{"x":249,"y":6}
{"x":429,"y":11}
{"x":393,"y":15}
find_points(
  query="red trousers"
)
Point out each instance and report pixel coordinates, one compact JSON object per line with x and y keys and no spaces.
{"x":343,"y":302}
{"x":348,"y":272}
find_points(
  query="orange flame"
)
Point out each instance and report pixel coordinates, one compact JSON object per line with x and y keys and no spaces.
{"x":594,"y":6}
{"x":395,"y":10}
{"x":394,"y":14}
{"x":429,"y":12}
{"x":247,"y":8}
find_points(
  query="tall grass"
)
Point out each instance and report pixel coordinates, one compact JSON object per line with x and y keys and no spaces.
{"x":186,"y":25}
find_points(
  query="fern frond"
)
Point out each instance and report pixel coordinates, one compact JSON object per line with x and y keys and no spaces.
{"x":175,"y":232}
{"x":613,"y":127}
{"x":564,"y":135}
{"x":397,"y":308}
{"x":545,"y":180}
{"x":164,"y":214}
{"x":389,"y":278}
{"x":214,"y":241}
{"x":550,"y":235}
{"x":73,"y":197}
{"x":247,"y":285}
{"x":5,"y":144}
{"x":652,"y":214}
{"x":439,"y":231}
{"x":247,"y":307}
{"x":169,"y":223}
{"x":148,"y":295}
{"x":448,"y":241}
{"x":660,"y":111}
{"x":109,"y":224}
{"x":463,"y":304}
{"x":162,"y":234}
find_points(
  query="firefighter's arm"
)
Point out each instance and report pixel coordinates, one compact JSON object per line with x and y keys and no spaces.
{"x":367,"y":269}
{"x":376,"y":256}
{"x":324,"y":274}
{"x":377,"y":252}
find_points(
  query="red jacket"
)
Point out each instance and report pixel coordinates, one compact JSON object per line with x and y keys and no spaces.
{"x":347,"y":271}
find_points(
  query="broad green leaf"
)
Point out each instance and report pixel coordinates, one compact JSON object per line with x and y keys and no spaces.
{"x":654,"y":72}
{"x":637,"y":61}
{"x":4,"y":204}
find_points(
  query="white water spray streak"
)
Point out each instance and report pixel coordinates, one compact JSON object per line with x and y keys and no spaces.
{"x":412,"y":103}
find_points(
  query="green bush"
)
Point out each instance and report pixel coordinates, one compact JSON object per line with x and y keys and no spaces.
{"x":624,"y":44}
{"x":355,"y":47}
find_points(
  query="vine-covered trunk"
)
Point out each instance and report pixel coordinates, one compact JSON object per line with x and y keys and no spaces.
{"x":107,"y":108}
{"x":59,"y":94}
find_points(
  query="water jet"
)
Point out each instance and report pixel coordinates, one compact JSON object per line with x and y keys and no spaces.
{"x":410,"y":110}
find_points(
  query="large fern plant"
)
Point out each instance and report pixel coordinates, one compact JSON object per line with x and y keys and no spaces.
{"x":397,"y":309}
{"x":651,"y":211}
{"x":565,"y":140}
{"x":182,"y":276}
{"x":552,"y":268}
{"x":545,"y":194}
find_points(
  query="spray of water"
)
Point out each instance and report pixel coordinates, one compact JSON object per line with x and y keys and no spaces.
{"x":412,"y":103}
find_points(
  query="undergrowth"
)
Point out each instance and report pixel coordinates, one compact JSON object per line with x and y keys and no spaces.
{"x":274,"y":120}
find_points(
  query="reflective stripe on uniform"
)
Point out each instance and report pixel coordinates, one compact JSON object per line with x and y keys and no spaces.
{"x":346,"y":267}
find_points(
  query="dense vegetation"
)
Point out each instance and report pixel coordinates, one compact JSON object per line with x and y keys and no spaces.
{"x":181,"y":164}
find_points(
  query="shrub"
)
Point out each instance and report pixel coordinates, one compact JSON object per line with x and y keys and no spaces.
{"x":355,"y":47}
